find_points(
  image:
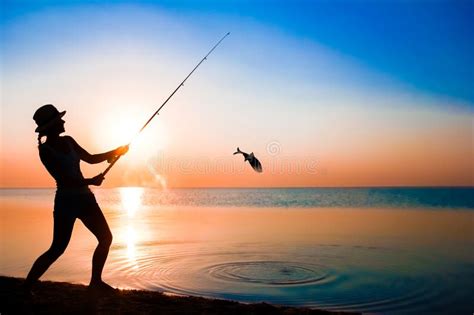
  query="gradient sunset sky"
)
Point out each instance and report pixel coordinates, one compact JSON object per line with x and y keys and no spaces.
{"x":325,"y":93}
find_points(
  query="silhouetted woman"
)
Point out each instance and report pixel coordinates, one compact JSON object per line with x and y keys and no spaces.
{"x":61,"y":155}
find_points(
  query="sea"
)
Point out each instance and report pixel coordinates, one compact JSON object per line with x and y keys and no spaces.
{"x":371,"y":250}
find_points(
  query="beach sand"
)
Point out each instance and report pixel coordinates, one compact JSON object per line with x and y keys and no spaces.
{"x":61,"y":297}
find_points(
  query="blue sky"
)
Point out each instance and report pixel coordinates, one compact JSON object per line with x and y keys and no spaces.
{"x":426,"y":45}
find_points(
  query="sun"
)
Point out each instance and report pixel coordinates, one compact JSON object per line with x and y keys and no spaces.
{"x":123,"y":127}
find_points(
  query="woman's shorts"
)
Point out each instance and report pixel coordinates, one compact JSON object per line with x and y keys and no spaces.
{"x":75,"y":205}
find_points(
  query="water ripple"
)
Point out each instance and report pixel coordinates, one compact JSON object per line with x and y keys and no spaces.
{"x":268,"y":272}
{"x":343,"y":278}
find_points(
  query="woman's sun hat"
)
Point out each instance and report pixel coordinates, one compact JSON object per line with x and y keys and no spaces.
{"x":46,"y":116}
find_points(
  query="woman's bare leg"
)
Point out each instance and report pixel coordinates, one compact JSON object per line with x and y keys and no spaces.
{"x":62,"y":231}
{"x":96,"y":223}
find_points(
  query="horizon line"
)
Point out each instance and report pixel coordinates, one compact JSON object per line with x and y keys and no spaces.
{"x":266,"y":187}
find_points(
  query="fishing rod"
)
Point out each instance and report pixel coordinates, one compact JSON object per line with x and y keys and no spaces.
{"x":166,"y":101}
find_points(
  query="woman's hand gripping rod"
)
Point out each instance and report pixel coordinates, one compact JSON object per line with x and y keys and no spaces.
{"x":112,"y":163}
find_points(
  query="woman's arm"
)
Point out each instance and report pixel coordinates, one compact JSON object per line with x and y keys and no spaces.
{"x":96,"y":158}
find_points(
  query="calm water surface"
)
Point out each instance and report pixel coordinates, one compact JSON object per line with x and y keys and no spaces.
{"x":370,"y":250}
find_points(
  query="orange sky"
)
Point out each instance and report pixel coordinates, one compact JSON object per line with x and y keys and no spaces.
{"x":442,"y":157}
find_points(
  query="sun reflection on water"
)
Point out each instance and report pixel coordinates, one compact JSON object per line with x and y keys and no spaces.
{"x":131,"y":239}
{"x":131,"y":199}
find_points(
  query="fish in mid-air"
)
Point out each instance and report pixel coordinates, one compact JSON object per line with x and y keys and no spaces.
{"x":254,"y":162}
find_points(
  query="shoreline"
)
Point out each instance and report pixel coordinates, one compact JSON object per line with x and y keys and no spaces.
{"x":62,"y":297}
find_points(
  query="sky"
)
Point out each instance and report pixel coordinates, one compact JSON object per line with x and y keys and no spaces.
{"x":325,"y":93}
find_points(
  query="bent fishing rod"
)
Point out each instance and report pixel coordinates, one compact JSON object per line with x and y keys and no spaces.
{"x":164,"y":103}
